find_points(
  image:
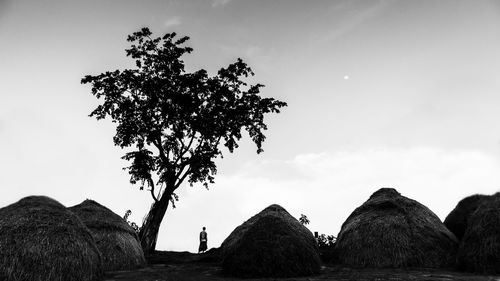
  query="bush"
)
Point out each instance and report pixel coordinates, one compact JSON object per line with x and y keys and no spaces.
{"x":131,"y":223}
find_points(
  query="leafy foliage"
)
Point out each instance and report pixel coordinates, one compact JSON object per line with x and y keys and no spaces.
{"x":326,"y":241}
{"x":131,"y":223}
{"x":303,"y":219}
{"x":173,"y":120}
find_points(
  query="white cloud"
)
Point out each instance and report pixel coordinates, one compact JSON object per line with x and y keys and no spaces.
{"x":257,"y":57}
{"x":325,"y":186}
{"x":172,"y":22}
{"x":216,"y":3}
{"x":245,"y":50}
{"x":434,"y":176}
{"x":328,"y":186}
{"x":354,"y":13}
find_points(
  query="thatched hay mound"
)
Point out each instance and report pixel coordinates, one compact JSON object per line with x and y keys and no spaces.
{"x":41,"y":240}
{"x":270,"y":244}
{"x":456,"y":221}
{"x":479,"y":249}
{"x":116,"y":240}
{"x":390,"y":230}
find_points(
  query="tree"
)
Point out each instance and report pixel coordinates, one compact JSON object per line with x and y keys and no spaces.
{"x":326,"y":241}
{"x":132,"y":224}
{"x":303,"y":219}
{"x":174,"y":122}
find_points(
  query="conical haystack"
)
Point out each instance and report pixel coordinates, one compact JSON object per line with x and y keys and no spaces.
{"x":479,"y":249}
{"x":456,"y":221}
{"x":270,"y":244}
{"x":116,"y":240}
{"x":390,"y":230}
{"x":41,"y":240}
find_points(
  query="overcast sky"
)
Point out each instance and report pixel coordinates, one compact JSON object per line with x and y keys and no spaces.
{"x":381,"y":93}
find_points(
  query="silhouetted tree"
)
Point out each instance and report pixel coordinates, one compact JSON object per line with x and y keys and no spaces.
{"x":131,"y":223}
{"x":175,"y":121}
{"x":326,"y":241}
{"x":303,"y":219}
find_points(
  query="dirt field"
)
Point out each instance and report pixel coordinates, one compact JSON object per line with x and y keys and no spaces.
{"x":184,"y":266}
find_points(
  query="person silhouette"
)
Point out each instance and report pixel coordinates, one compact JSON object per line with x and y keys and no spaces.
{"x":203,"y":241}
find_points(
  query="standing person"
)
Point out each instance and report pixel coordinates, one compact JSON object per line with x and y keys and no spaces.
{"x":203,"y":241}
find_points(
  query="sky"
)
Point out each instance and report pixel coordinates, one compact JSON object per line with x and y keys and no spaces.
{"x":380,"y":93}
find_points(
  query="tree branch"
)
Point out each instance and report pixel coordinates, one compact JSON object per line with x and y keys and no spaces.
{"x":152,"y":190}
{"x":185,"y":150}
{"x":159,"y":146}
{"x":181,"y":179}
{"x":159,"y":190}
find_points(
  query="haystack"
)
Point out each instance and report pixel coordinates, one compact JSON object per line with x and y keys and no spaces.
{"x":456,"y":221}
{"x":270,"y":244}
{"x":390,"y":230}
{"x":116,"y":240}
{"x":479,"y":249}
{"x":41,"y":240}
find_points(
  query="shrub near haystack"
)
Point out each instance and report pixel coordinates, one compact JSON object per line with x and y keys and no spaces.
{"x":390,"y":230}
{"x":270,"y":244}
{"x":480,"y":246}
{"x":116,"y":240}
{"x":41,"y":240}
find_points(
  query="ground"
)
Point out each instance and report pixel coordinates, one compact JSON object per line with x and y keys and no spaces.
{"x":185,"y":266}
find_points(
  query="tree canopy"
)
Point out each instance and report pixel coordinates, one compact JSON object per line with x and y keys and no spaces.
{"x":173,"y":122}
{"x":183,"y":116}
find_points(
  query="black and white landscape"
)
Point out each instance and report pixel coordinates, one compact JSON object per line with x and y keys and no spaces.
{"x":314,"y":106}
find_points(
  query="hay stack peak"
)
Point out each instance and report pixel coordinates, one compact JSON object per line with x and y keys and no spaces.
{"x":116,"y":240}
{"x":270,"y":244}
{"x":390,"y":230}
{"x":387,"y":192}
{"x":41,"y":240}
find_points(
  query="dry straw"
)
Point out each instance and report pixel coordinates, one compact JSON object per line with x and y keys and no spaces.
{"x":456,"y":221}
{"x":390,"y":230}
{"x":116,"y":240}
{"x":270,"y":244}
{"x":480,"y":246}
{"x":41,"y":240}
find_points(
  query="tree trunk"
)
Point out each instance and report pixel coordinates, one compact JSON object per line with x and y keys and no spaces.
{"x":151,"y":224}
